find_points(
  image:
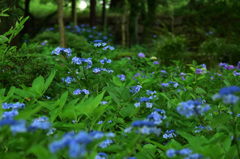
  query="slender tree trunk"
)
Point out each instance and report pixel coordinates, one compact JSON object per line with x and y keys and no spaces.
{"x":133,"y":22}
{"x":148,"y":22}
{"x":27,"y":28}
{"x":92,"y":13}
{"x":104,"y":19}
{"x":60,"y":23}
{"x":124,"y":24}
{"x":74,"y":13}
{"x":26,"y":11}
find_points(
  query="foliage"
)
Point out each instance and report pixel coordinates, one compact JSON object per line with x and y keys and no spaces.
{"x":73,"y":41}
{"x":170,"y":47}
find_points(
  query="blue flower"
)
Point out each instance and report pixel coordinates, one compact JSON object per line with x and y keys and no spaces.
{"x":122,"y":77}
{"x":185,"y":151}
{"x":105,"y":143}
{"x":135,"y":89}
{"x":191,"y":108}
{"x":149,"y":105}
{"x":101,"y":155}
{"x":170,"y":153}
{"x":140,"y":123}
{"x":144,"y":99}
{"x":40,"y":123}
{"x":137,"y":104}
{"x":10,"y":114}
{"x":229,"y":90}
{"x":199,"y":71}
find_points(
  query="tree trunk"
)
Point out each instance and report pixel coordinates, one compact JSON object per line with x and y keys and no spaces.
{"x":148,"y":22}
{"x":92,"y":13}
{"x":60,"y":23}
{"x":74,"y":13}
{"x":133,"y":22}
{"x":124,"y":25}
{"x":104,"y":19}
{"x":27,"y":28}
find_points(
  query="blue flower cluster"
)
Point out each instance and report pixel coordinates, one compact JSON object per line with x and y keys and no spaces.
{"x":77,"y":143}
{"x":175,"y":85}
{"x":169,"y":134}
{"x":135,"y":89}
{"x":105,"y":60}
{"x":144,"y":127}
{"x":108,"y":47}
{"x":157,"y":116}
{"x":79,"y":91}
{"x":98,"y":44}
{"x":149,"y":125}
{"x":226,"y":66}
{"x":227,"y":94}
{"x":58,"y":50}
{"x":79,"y":61}
{"x":122,"y":77}
{"x":101,"y":155}
{"x":40,"y":123}
{"x":16,"y":126}
{"x":97,"y":70}
{"x":200,"y":128}
{"x":19,"y":126}
{"x":68,"y":80}
{"x":186,"y":153}
{"x":14,"y":111}
{"x":191,"y":108}
{"x":147,"y":99}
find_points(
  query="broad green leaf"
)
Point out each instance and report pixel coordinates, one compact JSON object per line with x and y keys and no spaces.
{"x":3,"y":39}
{"x":38,"y":85}
{"x":200,"y":90}
{"x":117,"y":81}
{"x":151,"y":148}
{"x":127,"y":111}
{"x":41,"y":152}
{"x":89,"y":106}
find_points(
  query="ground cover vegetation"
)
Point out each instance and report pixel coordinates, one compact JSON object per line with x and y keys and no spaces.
{"x":74,"y":92}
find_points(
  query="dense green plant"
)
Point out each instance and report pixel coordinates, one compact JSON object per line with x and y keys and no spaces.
{"x":19,"y":65}
{"x":170,"y":47}
{"x":73,"y":40}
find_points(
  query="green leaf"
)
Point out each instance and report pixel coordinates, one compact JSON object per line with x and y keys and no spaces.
{"x":89,"y":106}
{"x":38,"y":85}
{"x":150,"y":148}
{"x":165,"y":96}
{"x":49,"y":79}
{"x":200,"y":90}
{"x":117,"y":81}
{"x":3,"y":39}
{"x":41,"y":152}
{"x":127,"y":111}
{"x":113,"y":148}
{"x":195,"y":141}
{"x":27,"y":113}
{"x":56,"y":112}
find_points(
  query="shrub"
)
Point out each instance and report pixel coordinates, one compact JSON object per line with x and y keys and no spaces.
{"x":73,"y":41}
{"x":170,"y":47}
